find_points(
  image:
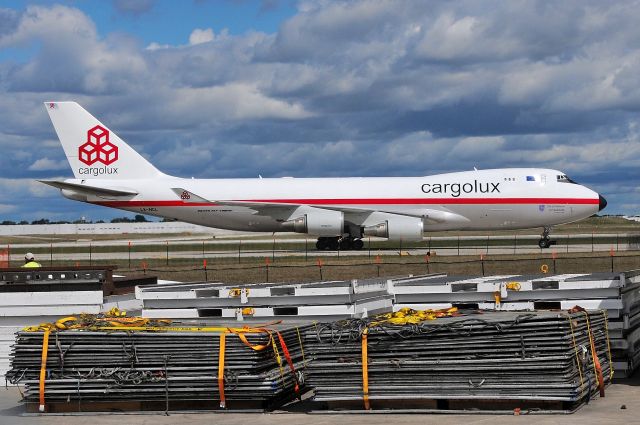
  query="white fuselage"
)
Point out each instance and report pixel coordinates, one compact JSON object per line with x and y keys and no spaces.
{"x":472,"y":200}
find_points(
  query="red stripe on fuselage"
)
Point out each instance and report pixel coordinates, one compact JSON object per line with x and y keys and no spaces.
{"x":368,"y":201}
{"x":119,"y":204}
{"x":430,"y":201}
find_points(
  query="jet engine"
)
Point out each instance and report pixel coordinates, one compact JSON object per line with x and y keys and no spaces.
{"x":318,"y":222}
{"x":397,"y":227}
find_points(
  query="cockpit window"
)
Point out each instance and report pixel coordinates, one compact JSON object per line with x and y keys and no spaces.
{"x":563,"y":178}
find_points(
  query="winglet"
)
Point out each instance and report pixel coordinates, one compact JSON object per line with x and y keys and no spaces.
{"x":188,"y":197}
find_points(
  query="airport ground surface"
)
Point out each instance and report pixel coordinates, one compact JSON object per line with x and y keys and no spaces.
{"x":621,"y":405}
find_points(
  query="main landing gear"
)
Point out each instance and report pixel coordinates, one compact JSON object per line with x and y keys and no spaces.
{"x":345,"y":243}
{"x":544,"y":241}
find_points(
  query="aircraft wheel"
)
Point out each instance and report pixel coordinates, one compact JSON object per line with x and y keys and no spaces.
{"x":358,"y":244}
{"x":544,"y":243}
{"x":322,"y":244}
{"x":333,"y":244}
{"x":345,"y":244}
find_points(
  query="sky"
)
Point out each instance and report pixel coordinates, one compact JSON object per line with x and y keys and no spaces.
{"x":241,"y":88}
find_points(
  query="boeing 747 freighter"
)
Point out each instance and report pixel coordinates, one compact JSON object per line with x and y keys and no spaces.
{"x":339,"y":211}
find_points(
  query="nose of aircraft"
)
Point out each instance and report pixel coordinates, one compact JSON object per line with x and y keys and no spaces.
{"x":603,"y":202}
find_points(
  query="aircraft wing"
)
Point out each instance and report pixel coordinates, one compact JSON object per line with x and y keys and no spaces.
{"x":90,"y":190}
{"x":273,"y":208}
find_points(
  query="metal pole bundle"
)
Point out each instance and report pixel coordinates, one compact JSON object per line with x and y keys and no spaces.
{"x":490,"y":361}
{"x":175,"y":364}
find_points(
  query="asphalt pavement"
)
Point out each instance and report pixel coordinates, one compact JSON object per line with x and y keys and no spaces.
{"x":621,"y":405}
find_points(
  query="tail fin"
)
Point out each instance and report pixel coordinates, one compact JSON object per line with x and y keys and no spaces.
{"x":94,"y":151}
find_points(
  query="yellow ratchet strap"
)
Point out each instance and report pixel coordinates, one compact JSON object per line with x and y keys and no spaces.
{"x":365,"y":370}
{"x":223,"y":340}
{"x":304,"y":361}
{"x":43,"y":366}
{"x":575,"y":346}
{"x":513,"y":286}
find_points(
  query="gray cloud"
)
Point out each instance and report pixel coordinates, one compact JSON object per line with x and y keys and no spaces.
{"x":134,"y":7}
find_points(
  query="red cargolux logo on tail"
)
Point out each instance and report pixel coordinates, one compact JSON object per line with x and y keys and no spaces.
{"x":98,"y":148}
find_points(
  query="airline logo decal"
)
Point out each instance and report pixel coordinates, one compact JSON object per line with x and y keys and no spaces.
{"x":456,"y":189}
{"x":99,"y":149}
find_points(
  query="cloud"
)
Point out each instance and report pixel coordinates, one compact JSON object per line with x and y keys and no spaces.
{"x":343,"y":88}
{"x":134,"y":7}
{"x":199,"y":36}
{"x":46,"y":164}
{"x":7,"y":208}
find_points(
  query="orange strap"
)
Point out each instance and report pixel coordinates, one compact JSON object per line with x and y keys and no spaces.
{"x":243,"y":337}
{"x":365,"y":370}
{"x":287,"y":356}
{"x":43,"y":366}
{"x":223,"y":340}
{"x":596,"y":361}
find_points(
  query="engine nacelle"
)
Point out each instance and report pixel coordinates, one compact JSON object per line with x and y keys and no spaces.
{"x":317,"y":222}
{"x":397,"y":227}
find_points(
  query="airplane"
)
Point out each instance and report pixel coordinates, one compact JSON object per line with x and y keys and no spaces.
{"x":340,"y":212}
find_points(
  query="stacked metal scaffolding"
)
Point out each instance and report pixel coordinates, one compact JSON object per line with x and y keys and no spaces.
{"x":508,"y":360}
{"x":309,"y":301}
{"x":617,"y":293}
{"x":160,"y":365}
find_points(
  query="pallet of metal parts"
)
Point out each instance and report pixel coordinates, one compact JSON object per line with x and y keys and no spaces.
{"x":617,"y":293}
{"x":552,"y":361}
{"x":329,"y":300}
{"x":138,"y":364}
{"x":360,"y":308}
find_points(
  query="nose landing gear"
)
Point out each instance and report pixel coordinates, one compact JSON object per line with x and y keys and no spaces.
{"x":545,"y":241}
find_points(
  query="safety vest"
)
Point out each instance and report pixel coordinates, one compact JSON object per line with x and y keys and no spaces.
{"x":31,"y":264}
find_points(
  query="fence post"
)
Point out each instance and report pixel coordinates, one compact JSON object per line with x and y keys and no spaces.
{"x":426,"y":258}
{"x":266,"y":267}
{"x":90,"y":256}
{"x":51,"y":254}
{"x":204,"y":266}
{"x":378,"y":261}
{"x":273,"y":249}
{"x":320,"y":267}
{"x":129,"y":255}
{"x":515,"y":243}
{"x":487,"y":244}
{"x":612,"y":254}
{"x":458,"y":245}
{"x":239,"y":249}
{"x":554,"y":256}
{"x":8,"y":255}
{"x":306,"y":251}
{"x":167,"y":243}
{"x":482,"y":263}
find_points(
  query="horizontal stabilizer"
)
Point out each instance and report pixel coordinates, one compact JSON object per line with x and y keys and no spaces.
{"x":90,"y":190}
